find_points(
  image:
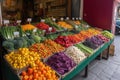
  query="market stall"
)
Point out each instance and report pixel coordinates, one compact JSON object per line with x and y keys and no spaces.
{"x":60,"y":49}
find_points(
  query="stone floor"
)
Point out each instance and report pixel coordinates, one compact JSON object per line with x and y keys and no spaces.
{"x":104,"y":69}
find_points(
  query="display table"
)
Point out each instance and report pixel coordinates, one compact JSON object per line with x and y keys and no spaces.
{"x":9,"y":75}
{"x":84,"y":63}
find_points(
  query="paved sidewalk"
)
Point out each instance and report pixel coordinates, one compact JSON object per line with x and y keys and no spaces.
{"x":104,"y":69}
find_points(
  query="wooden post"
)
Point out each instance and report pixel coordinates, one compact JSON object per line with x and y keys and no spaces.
{"x":0,"y":14}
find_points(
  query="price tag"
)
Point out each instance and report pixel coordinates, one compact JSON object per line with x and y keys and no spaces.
{"x":80,"y":18}
{"x":65,"y":28}
{"x":18,"y":21}
{"x":29,"y":19}
{"x":16,"y":34}
{"x":87,"y":26}
{"x":61,"y":19}
{"x":35,"y":30}
{"x":67,"y":18}
{"x":73,"y":18}
{"x":44,"y":30}
{"x":76,"y":27}
{"x":28,"y":34}
{"x":6,"y":21}
{"x":54,"y":19}
{"x":76,"y":18}
{"x":50,"y":29}
{"x":42,"y":20}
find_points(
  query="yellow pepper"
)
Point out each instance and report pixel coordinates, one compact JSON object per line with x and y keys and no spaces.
{"x":27,"y":27}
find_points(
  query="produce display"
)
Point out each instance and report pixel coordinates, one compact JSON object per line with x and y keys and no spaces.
{"x":65,"y":25}
{"x":21,"y":42}
{"x":103,"y":38}
{"x":45,"y":27}
{"x":27,"y":27}
{"x":22,"y":58}
{"x":85,"y":49}
{"x":39,"y":72}
{"x":108,"y":34}
{"x":46,"y":48}
{"x":93,"y":42}
{"x":76,"y":54}
{"x":7,"y":32}
{"x":61,"y":63}
{"x":64,"y":40}
{"x":77,"y":22}
{"x":69,"y":40}
{"x":37,"y":50}
{"x":52,"y":36}
{"x":53,"y":24}
{"x":90,"y":32}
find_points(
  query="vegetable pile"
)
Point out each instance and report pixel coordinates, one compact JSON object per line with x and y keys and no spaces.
{"x":76,"y":54}
{"x":53,"y":24}
{"x":22,"y":58}
{"x":108,"y":34}
{"x":8,"y":32}
{"x":85,"y":49}
{"x":28,"y":27}
{"x":64,"y":40}
{"x":93,"y":42}
{"x":103,"y":38}
{"x":45,"y":27}
{"x":65,"y":25}
{"x":39,"y":72}
{"x":61,"y":63}
{"x":21,"y":42}
{"x":46,"y":48}
{"x":77,"y":22}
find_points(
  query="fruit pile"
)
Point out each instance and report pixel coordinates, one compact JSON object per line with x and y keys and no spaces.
{"x":93,"y":42}
{"x":108,"y":34}
{"x":46,"y":48}
{"x":45,"y":27}
{"x":61,"y":63}
{"x":22,"y":58}
{"x":65,"y":25}
{"x":39,"y":72}
{"x":76,"y":54}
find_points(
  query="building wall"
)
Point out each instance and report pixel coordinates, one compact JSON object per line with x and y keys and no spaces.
{"x":98,"y":13}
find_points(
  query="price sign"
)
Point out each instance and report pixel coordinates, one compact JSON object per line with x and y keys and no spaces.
{"x":65,"y":28}
{"x":80,"y":18}
{"x":87,"y":26}
{"x":76,"y":27}
{"x":28,"y":34}
{"x":18,"y":21}
{"x":76,"y":18}
{"x":29,"y":20}
{"x":42,"y":20}
{"x":73,"y":18}
{"x":67,"y":18}
{"x":6,"y":21}
{"x":16,"y":34}
{"x":54,"y":19}
{"x":50,"y":29}
{"x":35,"y":30}
{"x":61,"y":19}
